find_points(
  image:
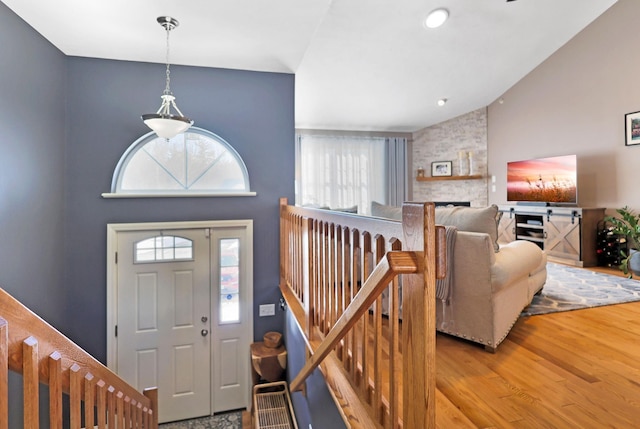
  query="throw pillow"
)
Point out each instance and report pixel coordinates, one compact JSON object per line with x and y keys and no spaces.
{"x":473,"y":219}
{"x":353,"y":209}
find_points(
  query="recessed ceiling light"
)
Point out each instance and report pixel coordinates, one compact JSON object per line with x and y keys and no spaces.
{"x":442,"y":102}
{"x":436,"y":18}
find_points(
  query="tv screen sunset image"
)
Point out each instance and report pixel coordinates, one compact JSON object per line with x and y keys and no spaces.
{"x":551,"y":180}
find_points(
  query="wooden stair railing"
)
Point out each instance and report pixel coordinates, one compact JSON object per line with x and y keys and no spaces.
{"x":33,"y":348}
{"x":393,"y":264}
{"x":334,"y":292}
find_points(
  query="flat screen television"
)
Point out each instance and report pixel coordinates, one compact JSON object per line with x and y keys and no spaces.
{"x":543,"y":181}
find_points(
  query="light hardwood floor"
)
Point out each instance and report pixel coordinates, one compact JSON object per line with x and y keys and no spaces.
{"x":576,"y":369}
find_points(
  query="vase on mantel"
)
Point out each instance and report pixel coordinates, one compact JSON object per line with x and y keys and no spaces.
{"x":463,"y":163}
{"x":470,"y":163}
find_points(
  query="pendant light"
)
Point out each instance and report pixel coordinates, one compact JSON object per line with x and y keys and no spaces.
{"x":165,"y":124}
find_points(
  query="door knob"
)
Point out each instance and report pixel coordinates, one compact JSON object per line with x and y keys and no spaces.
{"x":204,"y":332}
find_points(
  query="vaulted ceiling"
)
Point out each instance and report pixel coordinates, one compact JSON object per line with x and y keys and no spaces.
{"x":359,"y":64}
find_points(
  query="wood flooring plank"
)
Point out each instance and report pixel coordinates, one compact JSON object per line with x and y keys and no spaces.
{"x":577,"y":369}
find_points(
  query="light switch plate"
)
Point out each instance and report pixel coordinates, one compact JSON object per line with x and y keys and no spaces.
{"x":267,"y":310}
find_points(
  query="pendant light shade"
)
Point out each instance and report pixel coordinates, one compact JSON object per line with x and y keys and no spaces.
{"x":163,"y":122}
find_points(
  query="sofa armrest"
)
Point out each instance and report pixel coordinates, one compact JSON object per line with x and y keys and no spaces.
{"x":472,"y":261}
{"x":515,"y":260}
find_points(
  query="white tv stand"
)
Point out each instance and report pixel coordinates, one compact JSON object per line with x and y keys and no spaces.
{"x":566,"y":234}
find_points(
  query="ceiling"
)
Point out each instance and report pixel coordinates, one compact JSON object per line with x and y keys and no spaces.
{"x":365,"y":65}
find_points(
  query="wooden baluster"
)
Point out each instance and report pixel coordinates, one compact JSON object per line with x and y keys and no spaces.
{"x":284,"y":241}
{"x":314,"y":271}
{"x":101,"y":404}
{"x":331,"y":285}
{"x":30,"y":382}
{"x":75,"y":397}
{"x":337,"y":275}
{"x":356,"y":276}
{"x":346,"y":286}
{"x":139,"y":415}
{"x":145,"y":417}
{"x":339,"y":284}
{"x":133,"y":415}
{"x":305,"y":271}
{"x":128,"y":420}
{"x":4,"y":374}
{"x":377,"y":338}
{"x":120,"y":410}
{"x":55,"y":390}
{"x":325,"y":279}
{"x":111,"y":407}
{"x":366,"y":271}
{"x":89,"y":403}
{"x":300,"y":262}
{"x":313,"y":276}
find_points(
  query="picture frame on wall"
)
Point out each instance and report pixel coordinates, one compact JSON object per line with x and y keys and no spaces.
{"x":441,"y":168}
{"x":632,"y":128}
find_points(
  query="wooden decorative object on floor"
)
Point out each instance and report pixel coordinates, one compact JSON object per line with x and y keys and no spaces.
{"x":272,"y":339}
{"x":267,"y":363}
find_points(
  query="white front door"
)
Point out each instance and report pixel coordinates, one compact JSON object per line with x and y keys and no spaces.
{"x":180,"y":313}
{"x":163,"y":318}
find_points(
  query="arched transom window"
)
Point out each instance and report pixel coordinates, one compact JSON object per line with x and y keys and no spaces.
{"x":196,"y":162}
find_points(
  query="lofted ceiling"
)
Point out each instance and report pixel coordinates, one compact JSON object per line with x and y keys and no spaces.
{"x":366,"y":65}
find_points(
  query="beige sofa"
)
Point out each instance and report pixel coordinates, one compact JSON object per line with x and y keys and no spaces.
{"x":490,"y":284}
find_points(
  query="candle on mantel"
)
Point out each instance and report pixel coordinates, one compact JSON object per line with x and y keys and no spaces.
{"x":470,"y":163}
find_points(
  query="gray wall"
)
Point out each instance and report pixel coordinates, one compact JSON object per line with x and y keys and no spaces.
{"x":66,"y":122}
{"x":575,"y":102}
{"x":250,"y":110}
{"x":317,"y":408}
{"x":32,"y":115}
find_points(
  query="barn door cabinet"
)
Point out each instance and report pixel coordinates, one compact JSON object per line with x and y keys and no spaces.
{"x":566,"y":234}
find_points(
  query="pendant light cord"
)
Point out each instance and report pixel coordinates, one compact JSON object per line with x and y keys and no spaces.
{"x":167,"y":89}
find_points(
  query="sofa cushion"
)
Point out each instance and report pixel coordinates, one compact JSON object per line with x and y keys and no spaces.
{"x":472,"y":219}
{"x":388,"y":212}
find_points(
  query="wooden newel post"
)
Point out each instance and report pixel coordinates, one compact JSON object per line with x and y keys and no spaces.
{"x":418,"y":314}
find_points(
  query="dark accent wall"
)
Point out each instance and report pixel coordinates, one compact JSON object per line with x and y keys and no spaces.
{"x":66,"y":121}
{"x":32,"y":118}
{"x":252,"y":111}
{"x":317,"y":408}
{"x":32,"y":115}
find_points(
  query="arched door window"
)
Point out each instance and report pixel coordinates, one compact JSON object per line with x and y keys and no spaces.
{"x":163,"y":249}
{"x":191,"y":163}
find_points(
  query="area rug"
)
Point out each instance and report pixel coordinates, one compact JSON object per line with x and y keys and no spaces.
{"x":220,"y":421}
{"x":569,"y":288}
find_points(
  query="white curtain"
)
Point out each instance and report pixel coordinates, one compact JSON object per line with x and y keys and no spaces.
{"x":341,"y":171}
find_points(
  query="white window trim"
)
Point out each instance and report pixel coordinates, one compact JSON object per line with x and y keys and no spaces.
{"x":178,"y":195}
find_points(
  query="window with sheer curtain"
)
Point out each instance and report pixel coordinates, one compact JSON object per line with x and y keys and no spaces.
{"x":344,"y":172}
